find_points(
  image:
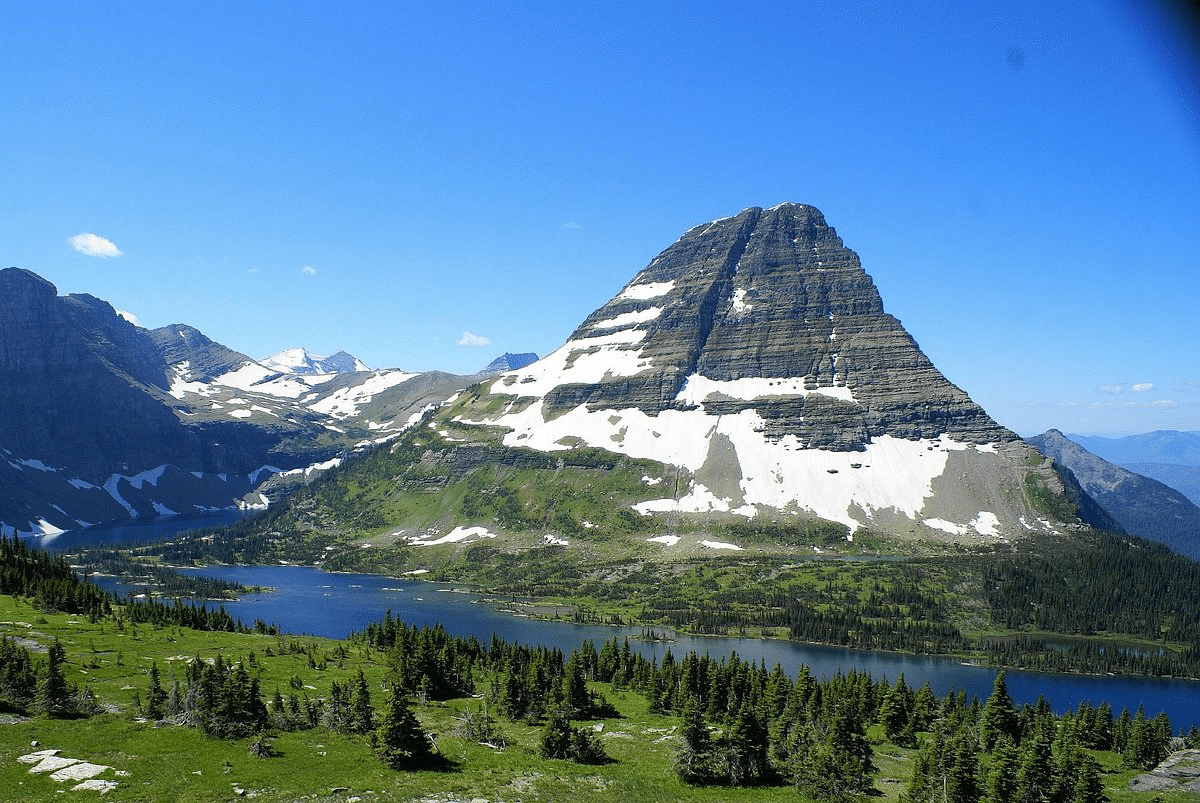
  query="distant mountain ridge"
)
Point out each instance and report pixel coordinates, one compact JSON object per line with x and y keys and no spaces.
{"x":508,"y":362}
{"x":1169,"y":456}
{"x":1168,"y":447}
{"x":1141,"y":505}
{"x":105,"y":421}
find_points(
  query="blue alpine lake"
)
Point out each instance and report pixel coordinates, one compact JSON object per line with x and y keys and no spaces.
{"x":307,"y":600}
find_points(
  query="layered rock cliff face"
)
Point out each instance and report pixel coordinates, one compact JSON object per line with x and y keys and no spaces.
{"x":775,"y":294}
{"x":72,"y":372}
{"x":755,"y":354}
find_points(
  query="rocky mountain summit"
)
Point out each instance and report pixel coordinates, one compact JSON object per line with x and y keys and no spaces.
{"x":507,"y":362}
{"x":303,"y":361}
{"x":772,"y":294}
{"x":755,"y":355}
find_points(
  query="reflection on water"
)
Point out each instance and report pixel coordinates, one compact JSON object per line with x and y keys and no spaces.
{"x":137,"y":532}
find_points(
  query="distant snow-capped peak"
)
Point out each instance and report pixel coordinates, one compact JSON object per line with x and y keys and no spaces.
{"x":303,"y":361}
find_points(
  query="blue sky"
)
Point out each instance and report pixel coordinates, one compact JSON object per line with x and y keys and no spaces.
{"x":428,"y":185}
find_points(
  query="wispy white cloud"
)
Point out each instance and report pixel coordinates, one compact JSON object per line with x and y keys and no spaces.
{"x":129,"y":316}
{"x":1132,"y":405}
{"x":93,"y":245}
{"x":1113,"y":389}
{"x":1142,"y":387}
{"x":309,"y":270}
{"x":571,"y":226}
{"x":469,"y":339}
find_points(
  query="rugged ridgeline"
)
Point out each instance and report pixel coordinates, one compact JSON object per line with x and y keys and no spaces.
{"x":1142,"y":506}
{"x":755,"y":355}
{"x":104,"y":421}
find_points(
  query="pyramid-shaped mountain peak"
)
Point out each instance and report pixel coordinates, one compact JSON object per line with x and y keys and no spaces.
{"x":766,"y":305}
{"x":755,"y":353}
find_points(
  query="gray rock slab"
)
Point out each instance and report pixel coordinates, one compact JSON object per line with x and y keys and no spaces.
{"x":79,"y":772}
{"x":53,"y":764}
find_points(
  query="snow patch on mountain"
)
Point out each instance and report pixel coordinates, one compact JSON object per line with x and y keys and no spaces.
{"x":308,"y":471}
{"x":37,"y":464}
{"x":583,"y":360}
{"x":348,"y":401}
{"x":150,"y":477}
{"x":647,"y":290}
{"x":457,"y":535}
{"x":722,"y":545}
{"x":629,"y":318}
{"x":698,"y":388}
{"x":985,"y":523}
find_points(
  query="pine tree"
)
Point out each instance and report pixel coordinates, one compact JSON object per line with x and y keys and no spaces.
{"x":586,"y":748}
{"x":838,"y":767}
{"x":896,"y":712}
{"x":962,"y":783}
{"x":1035,"y":778}
{"x":926,"y":781}
{"x":1002,"y":775}
{"x":556,"y":737}
{"x":53,"y":696}
{"x":361,"y":715}
{"x":399,"y":741}
{"x":1089,"y":785}
{"x":693,"y":759}
{"x":174,"y":701}
{"x":1136,"y":745}
{"x":999,"y":715}
{"x":575,"y":691}
{"x":1122,"y":730}
{"x":745,"y":750}
{"x":18,"y":676}
{"x":156,"y":696}
{"x":924,"y":709}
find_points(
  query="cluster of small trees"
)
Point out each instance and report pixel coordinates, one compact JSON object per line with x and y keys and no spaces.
{"x":29,"y":686}
{"x":426,"y":661}
{"x":1033,"y":755}
{"x":48,"y":580}
{"x":222,"y":699}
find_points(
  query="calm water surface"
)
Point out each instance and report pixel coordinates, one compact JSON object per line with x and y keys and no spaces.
{"x":306,"y":600}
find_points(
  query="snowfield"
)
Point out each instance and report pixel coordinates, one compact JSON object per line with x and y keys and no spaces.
{"x":457,"y":535}
{"x":348,"y":401}
{"x":892,"y":474}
